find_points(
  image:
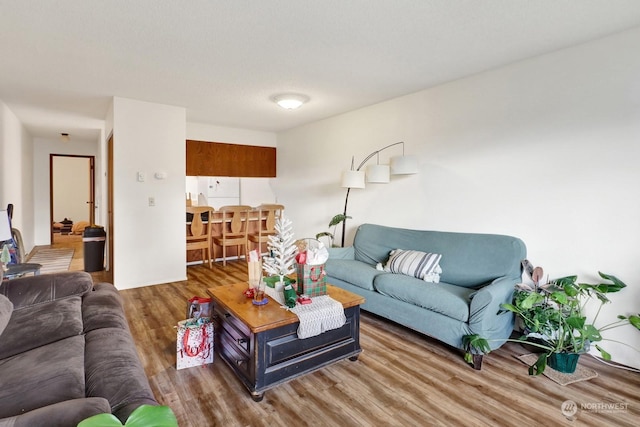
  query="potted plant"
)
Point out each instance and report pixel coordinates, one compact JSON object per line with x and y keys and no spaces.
{"x":335,"y":221}
{"x":553,"y":320}
{"x":143,"y":416}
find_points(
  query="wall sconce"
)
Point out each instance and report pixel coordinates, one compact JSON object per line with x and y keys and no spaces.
{"x":355,"y":178}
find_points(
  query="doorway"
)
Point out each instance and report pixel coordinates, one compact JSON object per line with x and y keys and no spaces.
{"x":72,"y":190}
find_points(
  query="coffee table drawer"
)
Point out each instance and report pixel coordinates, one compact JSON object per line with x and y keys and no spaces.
{"x":238,"y":332}
{"x":283,"y":356}
{"x":240,"y":362}
{"x":227,"y":317}
{"x":284,"y":344}
{"x":242,"y":341}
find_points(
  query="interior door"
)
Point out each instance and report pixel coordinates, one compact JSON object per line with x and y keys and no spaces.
{"x":72,"y":188}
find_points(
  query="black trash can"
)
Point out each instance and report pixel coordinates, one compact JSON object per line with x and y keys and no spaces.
{"x":93,"y":240}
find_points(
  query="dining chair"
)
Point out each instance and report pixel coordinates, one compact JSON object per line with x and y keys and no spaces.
{"x":267,"y":216}
{"x":235,"y":223}
{"x":199,"y":232}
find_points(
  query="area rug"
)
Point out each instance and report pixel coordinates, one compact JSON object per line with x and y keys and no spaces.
{"x":53,"y":260}
{"x":581,"y":373}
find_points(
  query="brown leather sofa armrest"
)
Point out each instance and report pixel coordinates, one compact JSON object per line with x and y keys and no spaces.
{"x":31,"y":290}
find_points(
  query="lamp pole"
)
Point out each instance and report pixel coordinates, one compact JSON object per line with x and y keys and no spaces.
{"x":346,"y":199}
{"x":344,"y":221}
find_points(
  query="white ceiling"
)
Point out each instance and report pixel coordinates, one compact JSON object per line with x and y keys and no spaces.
{"x":62,"y":61}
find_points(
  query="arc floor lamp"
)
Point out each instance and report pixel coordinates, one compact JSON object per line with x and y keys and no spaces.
{"x":356,"y":178}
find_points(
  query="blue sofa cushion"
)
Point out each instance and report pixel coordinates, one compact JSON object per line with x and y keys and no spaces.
{"x":450,"y":300}
{"x":355,"y":272}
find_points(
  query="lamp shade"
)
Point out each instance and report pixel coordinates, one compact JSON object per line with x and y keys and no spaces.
{"x":404,"y":165}
{"x":378,"y":174}
{"x":5,"y":228}
{"x":353,"y":179}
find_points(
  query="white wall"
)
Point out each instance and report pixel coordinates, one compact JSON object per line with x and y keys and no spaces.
{"x":149,"y":244}
{"x":43,"y":148}
{"x":16,"y":173}
{"x":546,"y":149}
{"x":256,"y":191}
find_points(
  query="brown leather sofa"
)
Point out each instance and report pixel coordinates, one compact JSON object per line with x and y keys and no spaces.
{"x":66,"y":352}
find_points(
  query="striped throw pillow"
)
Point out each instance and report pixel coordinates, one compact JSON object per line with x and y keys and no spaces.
{"x":412,"y":263}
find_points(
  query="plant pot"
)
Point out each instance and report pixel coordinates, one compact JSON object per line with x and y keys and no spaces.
{"x":563,"y":362}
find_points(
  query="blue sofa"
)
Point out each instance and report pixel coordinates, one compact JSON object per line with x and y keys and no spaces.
{"x":479,"y":272}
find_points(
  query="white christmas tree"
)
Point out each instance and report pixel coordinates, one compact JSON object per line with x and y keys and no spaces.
{"x":282,"y":250}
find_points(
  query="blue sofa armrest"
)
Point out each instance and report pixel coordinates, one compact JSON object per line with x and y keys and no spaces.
{"x":342,"y":253}
{"x":484,"y":319}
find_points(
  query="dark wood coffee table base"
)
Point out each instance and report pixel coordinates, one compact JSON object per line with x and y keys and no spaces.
{"x":265,"y":358}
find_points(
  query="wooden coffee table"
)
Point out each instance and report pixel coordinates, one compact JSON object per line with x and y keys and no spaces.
{"x":261,"y":345}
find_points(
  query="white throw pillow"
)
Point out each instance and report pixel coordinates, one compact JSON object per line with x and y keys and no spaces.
{"x":434,"y":276}
{"x":421,"y":265}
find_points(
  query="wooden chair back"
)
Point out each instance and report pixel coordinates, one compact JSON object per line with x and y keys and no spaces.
{"x":270,"y":213}
{"x":199,"y":230}
{"x":234,"y":220}
{"x":267,"y":216}
{"x":235,"y":223}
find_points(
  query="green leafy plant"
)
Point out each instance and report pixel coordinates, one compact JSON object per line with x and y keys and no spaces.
{"x":322,"y":234}
{"x":143,"y":416}
{"x":553,"y":319}
{"x":335,"y":221}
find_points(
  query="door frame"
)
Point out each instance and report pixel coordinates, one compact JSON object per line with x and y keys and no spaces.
{"x":110,"y":222}
{"x":92,"y":188}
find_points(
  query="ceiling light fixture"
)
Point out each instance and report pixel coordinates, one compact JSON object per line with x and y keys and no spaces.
{"x":290,"y":101}
{"x":64,"y":137}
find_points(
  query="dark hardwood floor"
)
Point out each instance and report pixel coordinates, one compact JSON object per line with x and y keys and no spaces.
{"x":402,"y":378}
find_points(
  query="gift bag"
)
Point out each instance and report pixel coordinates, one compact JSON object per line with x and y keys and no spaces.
{"x":311,"y":279}
{"x":199,"y":307}
{"x":312,"y":254}
{"x":194,"y":346}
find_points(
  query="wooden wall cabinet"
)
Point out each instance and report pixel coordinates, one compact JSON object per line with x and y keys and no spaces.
{"x":219,"y":159}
